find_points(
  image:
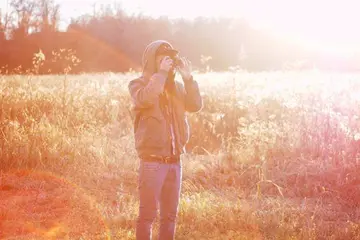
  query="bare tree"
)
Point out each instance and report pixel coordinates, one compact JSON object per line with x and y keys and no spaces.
{"x":22,"y":17}
{"x":49,"y":12}
{"x":33,"y":16}
{"x":3,"y":27}
{"x":55,"y":17}
{"x":5,"y":22}
{"x":45,"y":12}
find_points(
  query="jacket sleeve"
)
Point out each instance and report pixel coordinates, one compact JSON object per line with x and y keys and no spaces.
{"x":193,"y":99}
{"x":145,"y":95}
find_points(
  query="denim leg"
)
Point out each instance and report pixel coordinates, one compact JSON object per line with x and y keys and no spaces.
{"x":169,"y":202}
{"x":151,"y":179}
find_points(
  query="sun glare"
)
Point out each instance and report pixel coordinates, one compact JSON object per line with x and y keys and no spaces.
{"x":324,"y":25}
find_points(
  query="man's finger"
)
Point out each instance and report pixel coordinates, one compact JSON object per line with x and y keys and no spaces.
{"x":185,"y":63}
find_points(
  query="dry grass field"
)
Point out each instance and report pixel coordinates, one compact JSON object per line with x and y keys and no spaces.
{"x":273,"y":155}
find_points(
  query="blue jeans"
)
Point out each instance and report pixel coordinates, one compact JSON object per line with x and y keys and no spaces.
{"x":159,"y":186}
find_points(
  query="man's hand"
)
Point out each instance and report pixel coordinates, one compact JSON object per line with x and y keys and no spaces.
{"x":166,"y":64}
{"x":185,"y":69}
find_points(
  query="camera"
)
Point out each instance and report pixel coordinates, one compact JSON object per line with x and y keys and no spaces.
{"x":172,"y":53}
{"x":177,"y":61}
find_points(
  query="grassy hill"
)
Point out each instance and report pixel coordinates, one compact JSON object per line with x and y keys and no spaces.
{"x":273,"y":155}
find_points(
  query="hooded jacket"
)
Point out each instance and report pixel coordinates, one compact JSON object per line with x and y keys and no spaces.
{"x":155,"y":112}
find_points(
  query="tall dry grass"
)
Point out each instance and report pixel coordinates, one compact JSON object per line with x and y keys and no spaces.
{"x":272,"y":155}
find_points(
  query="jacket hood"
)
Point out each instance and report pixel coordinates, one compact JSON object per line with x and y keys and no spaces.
{"x":148,"y":58}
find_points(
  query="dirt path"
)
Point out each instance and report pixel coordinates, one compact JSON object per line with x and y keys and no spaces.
{"x":38,"y":205}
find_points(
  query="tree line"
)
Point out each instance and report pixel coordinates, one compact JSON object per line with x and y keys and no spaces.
{"x":110,"y":40}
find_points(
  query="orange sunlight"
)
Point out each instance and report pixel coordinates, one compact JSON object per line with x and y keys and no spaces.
{"x":324,"y":25}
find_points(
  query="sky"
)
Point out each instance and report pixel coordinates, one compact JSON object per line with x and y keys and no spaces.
{"x":330,"y":25}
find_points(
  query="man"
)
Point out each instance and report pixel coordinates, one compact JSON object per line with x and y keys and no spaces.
{"x":161,"y":132}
